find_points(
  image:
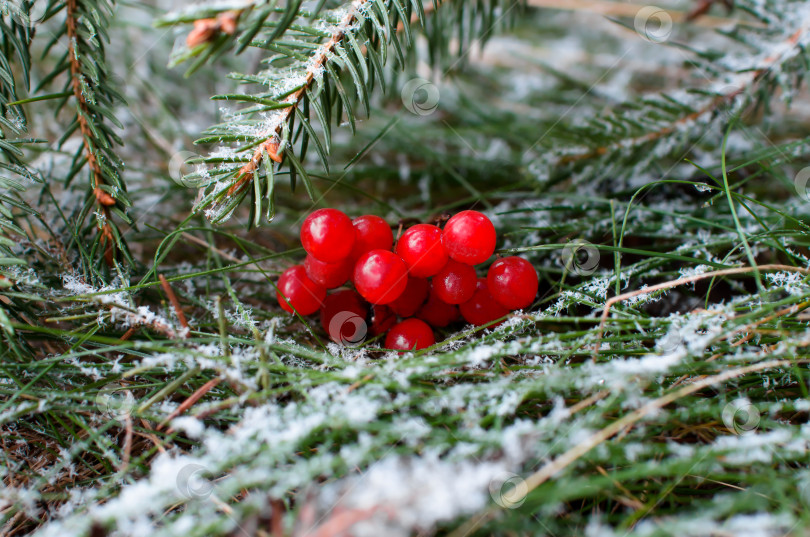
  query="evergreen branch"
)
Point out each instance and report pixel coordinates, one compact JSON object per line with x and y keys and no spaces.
{"x":306,"y":73}
{"x":270,"y":146}
{"x":15,"y":42}
{"x":744,"y":83}
{"x":88,"y":80}
{"x":103,"y":199}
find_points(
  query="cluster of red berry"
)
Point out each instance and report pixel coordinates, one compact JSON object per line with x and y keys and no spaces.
{"x":394,"y":281}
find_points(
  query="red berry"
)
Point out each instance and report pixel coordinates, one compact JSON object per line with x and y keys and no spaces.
{"x":343,"y":317}
{"x":421,"y":249}
{"x":380,"y":276}
{"x":469,"y":237}
{"x":382,"y":319}
{"x":512,"y":281}
{"x":327,"y":235}
{"x":303,"y":294}
{"x":410,"y":334}
{"x":330,"y":275}
{"x":482,"y":309}
{"x":437,"y":313}
{"x":414,"y":296}
{"x":455,"y":283}
{"x":371,"y":233}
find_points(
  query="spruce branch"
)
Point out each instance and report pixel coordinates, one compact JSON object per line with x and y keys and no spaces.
{"x":89,"y":82}
{"x":744,"y":83}
{"x":270,"y":146}
{"x":78,"y":80}
{"x":15,"y":42}
{"x":103,"y":199}
{"x":314,"y":58}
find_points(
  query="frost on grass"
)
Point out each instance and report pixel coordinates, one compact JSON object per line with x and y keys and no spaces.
{"x":400,"y":444}
{"x":438,"y":474}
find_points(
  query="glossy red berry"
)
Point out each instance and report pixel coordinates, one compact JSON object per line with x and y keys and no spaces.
{"x":330,"y":275}
{"x":512,"y":281}
{"x":422,"y":250}
{"x":380,"y":276}
{"x":302,"y":293}
{"x":412,"y":298}
{"x":371,"y":233}
{"x":469,"y":237}
{"x":328,"y":235}
{"x":436,"y":312}
{"x":482,"y":309}
{"x":410,"y":334}
{"x":343,"y":317}
{"x":455,"y":283}
{"x":382,"y":319}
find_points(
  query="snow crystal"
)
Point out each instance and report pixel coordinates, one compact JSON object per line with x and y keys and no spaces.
{"x":190,"y":425}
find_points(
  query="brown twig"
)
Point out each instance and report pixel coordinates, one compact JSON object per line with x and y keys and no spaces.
{"x":175,"y":303}
{"x":227,"y":403}
{"x":127,"y":442}
{"x":277,"y":518}
{"x":703,"y":7}
{"x":795,"y":308}
{"x":684,"y":281}
{"x":188,"y":403}
{"x":342,"y":520}
{"x":151,"y":436}
{"x":581,"y":448}
{"x":129,"y":333}
{"x":104,"y":200}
